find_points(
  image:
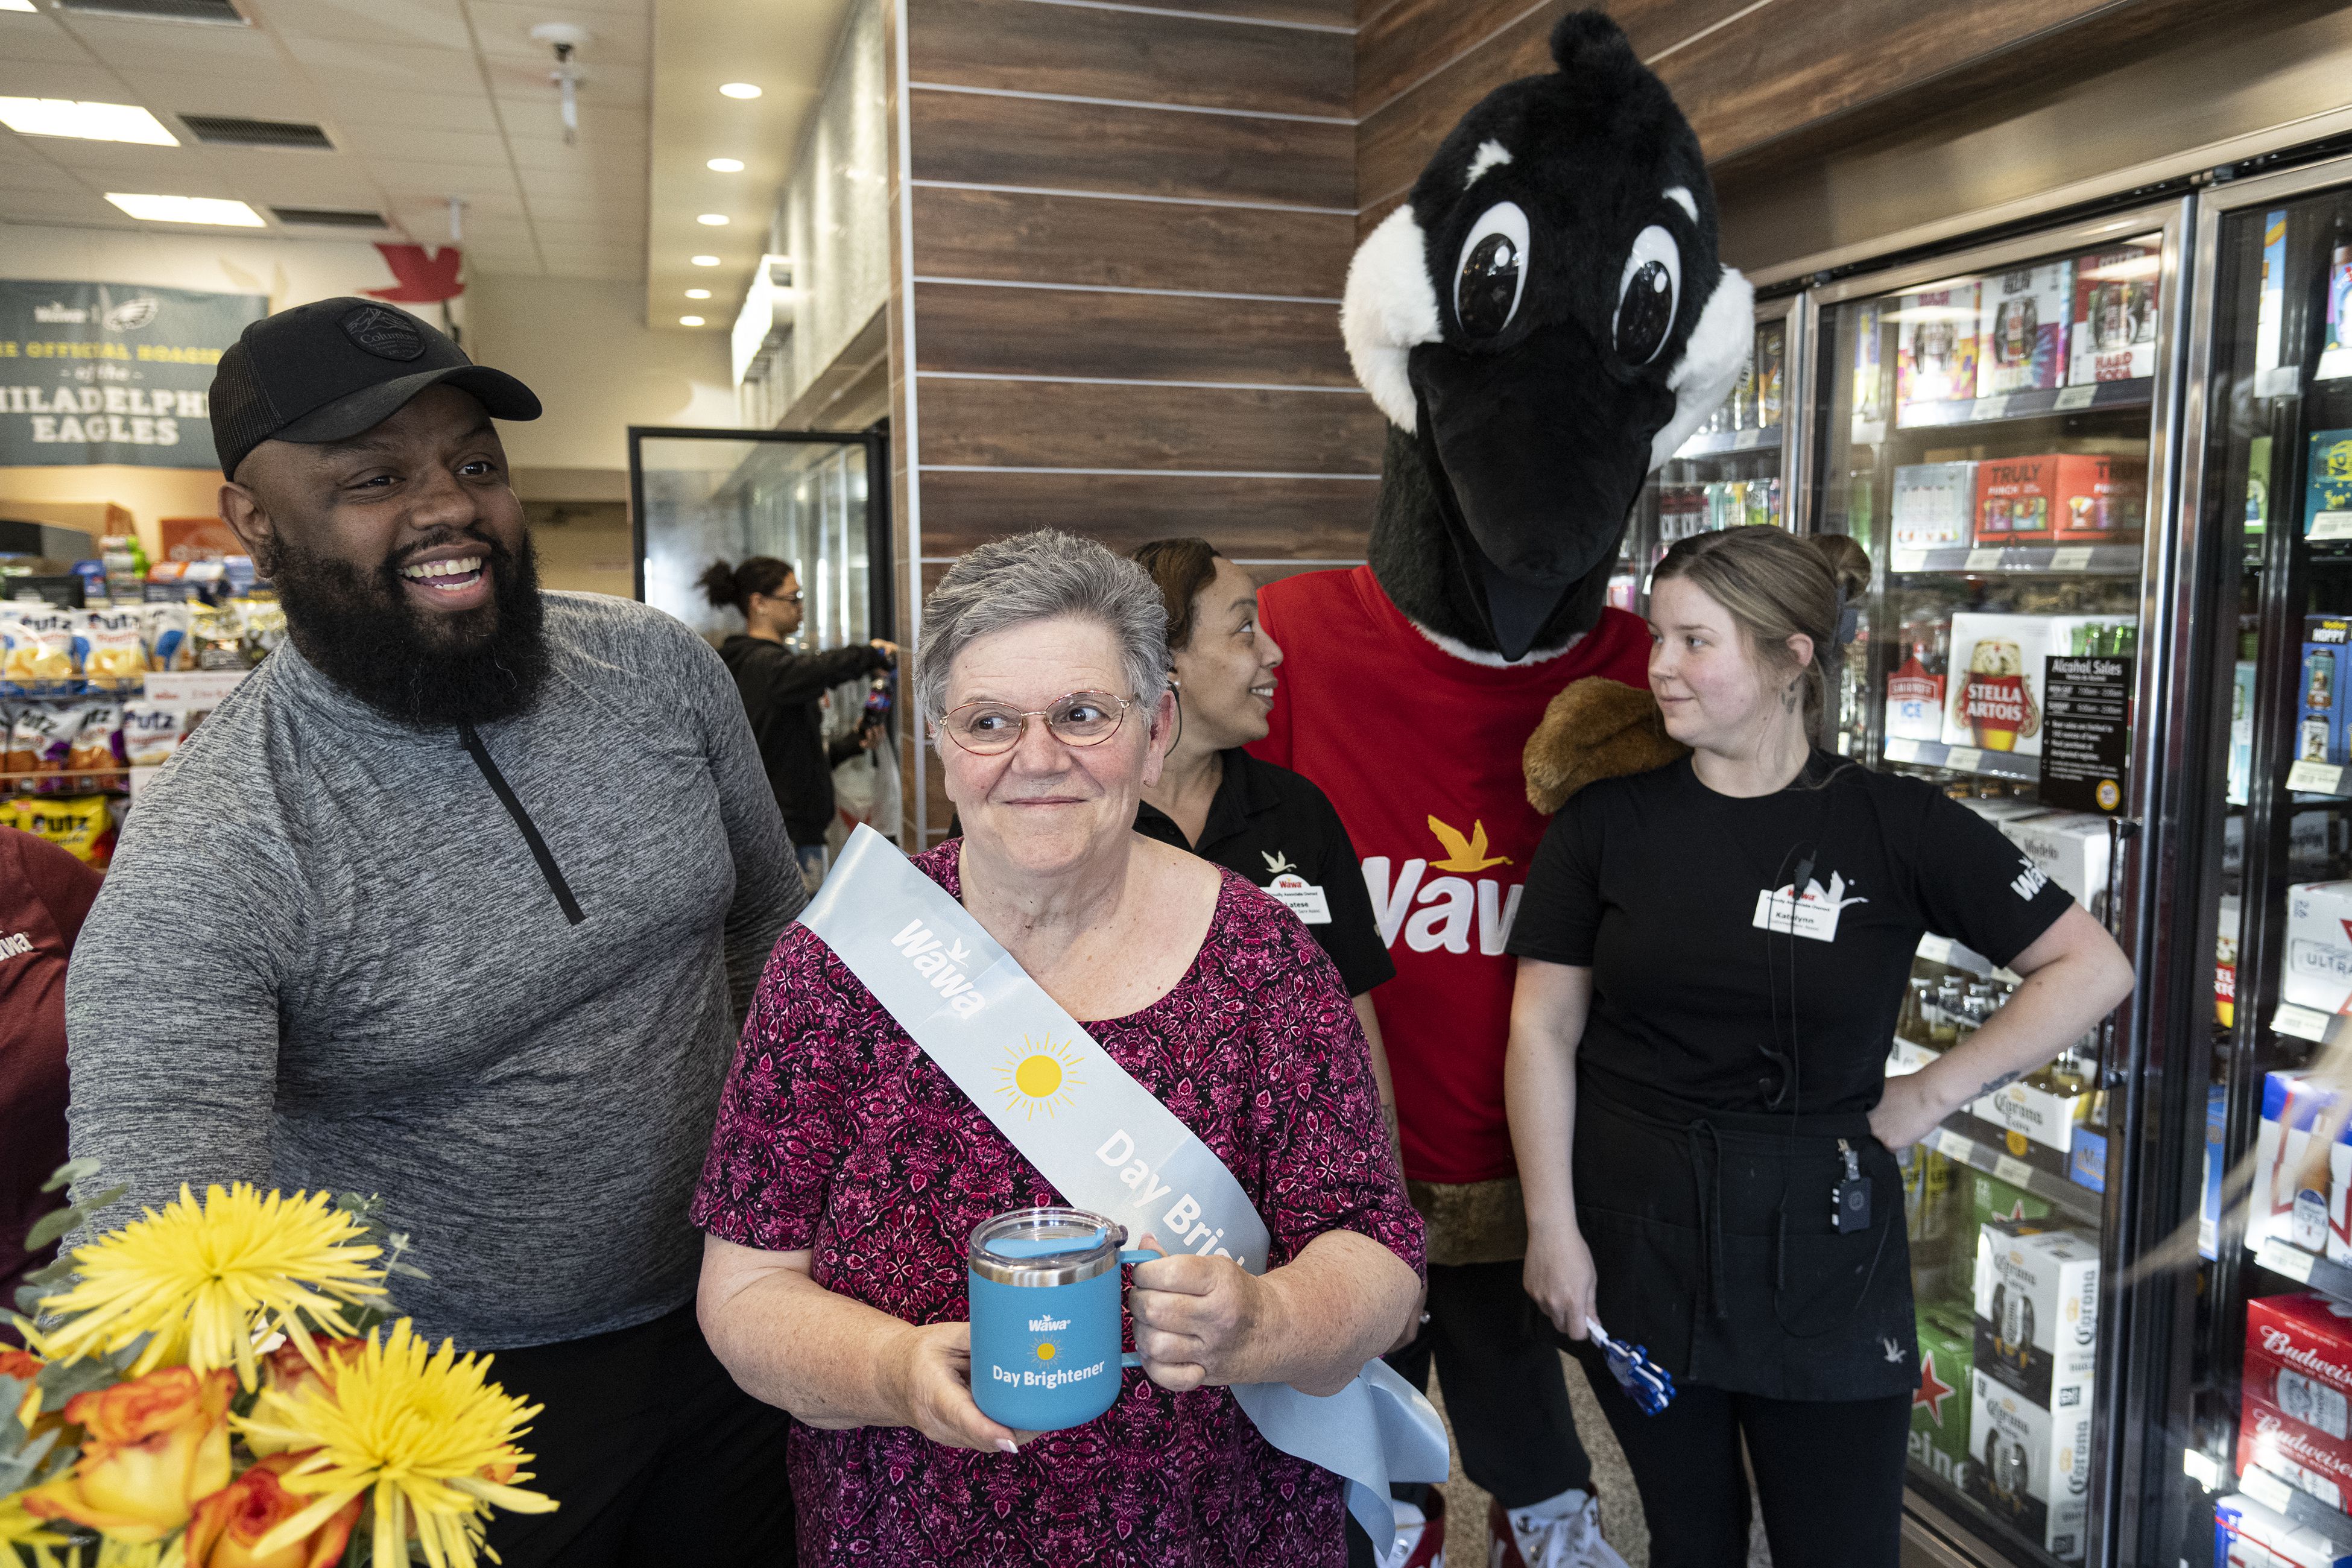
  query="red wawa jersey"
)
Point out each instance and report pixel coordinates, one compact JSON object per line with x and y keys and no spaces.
{"x":1419,"y":751}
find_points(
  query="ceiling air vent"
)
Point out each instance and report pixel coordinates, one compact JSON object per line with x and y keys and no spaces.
{"x":328,"y":217}
{"x":228,"y":131}
{"x":220,"y":12}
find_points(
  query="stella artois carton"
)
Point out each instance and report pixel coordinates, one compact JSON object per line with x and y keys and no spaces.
{"x":1933,"y":505}
{"x":1994,"y":699}
{"x":1936,"y":357}
{"x":2288,"y":1198}
{"x":2247,"y":1534}
{"x":2299,"y":1359}
{"x":2021,"y":318}
{"x":2037,"y":1310}
{"x":2032,"y":1465}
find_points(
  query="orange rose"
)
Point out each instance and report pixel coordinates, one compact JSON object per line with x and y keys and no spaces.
{"x":152,"y":1447}
{"x":286,"y":1371}
{"x":26,"y":1366}
{"x":229,"y":1523}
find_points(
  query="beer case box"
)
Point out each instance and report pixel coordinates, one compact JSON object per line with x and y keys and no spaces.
{"x":2021,"y":320}
{"x":2033,"y":1124}
{"x":2287,"y":1200}
{"x":2015,"y":499}
{"x":1990,"y":1198}
{"x":2307,"y":1400}
{"x":1936,"y":352}
{"x":2318,"y":947}
{"x":2320,"y":699}
{"x":2304,"y":1336}
{"x":2113,"y":336}
{"x":2269,"y":1439}
{"x":2328,"y":486}
{"x":2248,"y":1534}
{"x":2099,"y":500}
{"x":2072,"y":848}
{"x":1939,"y":1407}
{"x":1994,"y":694}
{"x":1935,"y":504}
{"x":2029,"y":1465}
{"x":2037,"y":1310}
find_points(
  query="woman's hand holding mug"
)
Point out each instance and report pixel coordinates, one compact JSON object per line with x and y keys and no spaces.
{"x":1558,"y":1274}
{"x":1199,"y":1321}
{"x":927,"y":1375}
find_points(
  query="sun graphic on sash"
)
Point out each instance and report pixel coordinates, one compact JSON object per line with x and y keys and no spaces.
{"x":1037,"y":1075}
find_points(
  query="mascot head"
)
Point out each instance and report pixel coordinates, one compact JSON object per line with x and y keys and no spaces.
{"x":1543,"y":322}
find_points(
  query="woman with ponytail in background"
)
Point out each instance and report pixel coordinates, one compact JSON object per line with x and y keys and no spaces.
{"x":782,"y":690}
{"x":1712,"y":956}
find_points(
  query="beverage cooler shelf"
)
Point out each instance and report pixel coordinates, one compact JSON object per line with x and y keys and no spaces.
{"x":1964,"y":759}
{"x":1716,"y":443}
{"x":2308,"y":1269}
{"x":2079,"y":1204}
{"x":2309,"y":777}
{"x":2107,"y":559}
{"x":2299,"y":1506}
{"x":2035,"y":403}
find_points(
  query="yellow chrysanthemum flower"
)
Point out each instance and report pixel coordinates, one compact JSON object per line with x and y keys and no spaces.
{"x":18,"y":1527}
{"x":209,"y":1281}
{"x":423,"y":1431}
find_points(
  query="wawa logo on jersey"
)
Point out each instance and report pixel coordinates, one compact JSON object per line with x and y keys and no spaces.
{"x":1814,"y":915}
{"x":1450,"y":907}
{"x":941,"y":963}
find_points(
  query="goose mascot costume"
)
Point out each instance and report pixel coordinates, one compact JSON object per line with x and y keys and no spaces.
{"x":1542,"y":322}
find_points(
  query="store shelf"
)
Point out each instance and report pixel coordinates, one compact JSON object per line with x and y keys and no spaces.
{"x":2301,"y":1023}
{"x":1951,"y":954}
{"x":2036,"y":405}
{"x":2297,"y":1505}
{"x":1964,"y":759}
{"x":2108,"y":559}
{"x":1721,"y":443}
{"x":2309,"y":1270}
{"x":2075,"y":1202}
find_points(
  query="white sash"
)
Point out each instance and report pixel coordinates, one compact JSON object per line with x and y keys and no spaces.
{"x":1102,"y":1138}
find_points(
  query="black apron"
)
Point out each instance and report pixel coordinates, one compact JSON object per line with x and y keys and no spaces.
{"x":1712,"y":1245}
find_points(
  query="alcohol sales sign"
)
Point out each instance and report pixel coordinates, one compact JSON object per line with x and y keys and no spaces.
{"x":113,"y":373}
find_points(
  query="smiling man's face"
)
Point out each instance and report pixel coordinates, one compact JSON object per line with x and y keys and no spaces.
{"x":402,"y":559}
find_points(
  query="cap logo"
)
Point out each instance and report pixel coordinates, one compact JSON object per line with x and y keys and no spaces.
{"x":387,"y":334}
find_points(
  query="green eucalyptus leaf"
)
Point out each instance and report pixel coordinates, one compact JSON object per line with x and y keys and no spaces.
{"x":50,"y":1227}
{"x":111,"y":1195}
{"x":69,"y":1173}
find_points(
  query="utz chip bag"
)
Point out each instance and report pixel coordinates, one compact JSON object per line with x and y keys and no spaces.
{"x":151,"y":732}
{"x":118,"y":645}
{"x":42,"y":734}
{"x":215,"y":638}
{"x":263,"y":623}
{"x":41,"y":645}
{"x":96,"y":744}
{"x":167,"y":636}
{"x":82,"y":825}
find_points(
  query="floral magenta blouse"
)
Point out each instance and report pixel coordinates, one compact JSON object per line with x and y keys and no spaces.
{"x":836,"y":1134}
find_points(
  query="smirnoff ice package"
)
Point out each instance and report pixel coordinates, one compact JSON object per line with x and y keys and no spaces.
{"x":2037,"y":1310}
{"x":2114,"y":334}
{"x":1935,"y":356}
{"x":2292,"y":1451}
{"x":2299,"y":1358}
{"x":2021,"y":327}
{"x":2249,"y":1535}
{"x":1993,"y":697}
{"x":2288,"y":1199}
{"x":2318,"y":946}
{"x":2031,"y":1465}
{"x":1934,"y":505}
{"x":1914,"y":700}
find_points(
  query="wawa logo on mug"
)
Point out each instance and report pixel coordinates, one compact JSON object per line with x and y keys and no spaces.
{"x":941,"y":965}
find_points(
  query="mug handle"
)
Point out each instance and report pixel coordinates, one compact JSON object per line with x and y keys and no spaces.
{"x":1130,"y":1255}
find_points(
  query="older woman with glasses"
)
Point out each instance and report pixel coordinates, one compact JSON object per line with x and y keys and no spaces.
{"x":847,"y":1170}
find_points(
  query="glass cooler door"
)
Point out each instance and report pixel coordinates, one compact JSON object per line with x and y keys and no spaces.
{"x":2243,"y":1395}
{"x":1732,"y":469}
{"x":1991,"y":428}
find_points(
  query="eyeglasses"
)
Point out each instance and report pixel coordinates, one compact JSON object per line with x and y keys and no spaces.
{"x":1081,"y":719}
{"x":793,"y":597}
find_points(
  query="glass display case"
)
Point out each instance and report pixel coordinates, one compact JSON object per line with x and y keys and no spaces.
{"x":1734,"y":469}
{"x":1993,"y":427}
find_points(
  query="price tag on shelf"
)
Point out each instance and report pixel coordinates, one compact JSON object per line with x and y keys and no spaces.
{"x":1984,"y":560}
{"x":2300,"y":1022}
{"x":1746,"y":440}
{"x":2255,"y":1482}
{"x":1901,"y":750}
{"x":2316,"y":778}
{"x":1994,"y":407}
{"x":2279,"y":381}
{"x":2330,"y":525}
{"x":1910,"y":561}
{"x":2070,"y":558}
{"x":1870,"y":432}
{"x":2013,"y":1170}
{"x":2292,"y":1261}
{"x":2074,"y":397}
{"x":2334,"y":365}
{"x":1967,"y":759}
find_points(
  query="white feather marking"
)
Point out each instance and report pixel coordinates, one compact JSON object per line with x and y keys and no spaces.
{"x":1389,"y":306}
{"x":1680,"y":195}
{"x":1702,"y":377}
{"x":1488,"y":657}
{"x":1491,"y":155}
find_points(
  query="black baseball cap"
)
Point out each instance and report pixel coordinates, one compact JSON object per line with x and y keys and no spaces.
{"x":333,"y":368}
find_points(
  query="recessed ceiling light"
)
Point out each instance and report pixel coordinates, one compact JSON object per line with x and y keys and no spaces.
{"x":725,"y":165}
{"x":17,"y":6}
{"x":86,"y":121}
{"x":187,"y":209}
{"x":738,"y":90}
{"x":704,"y":260}
{"x":698,"y":293}
{"x":716,"y":220}
{"x":689,"y":320}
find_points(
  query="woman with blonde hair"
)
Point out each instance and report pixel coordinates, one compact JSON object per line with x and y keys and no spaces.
{"x":1712,"y":957}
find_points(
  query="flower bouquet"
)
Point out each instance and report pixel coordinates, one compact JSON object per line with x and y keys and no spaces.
{"x":222,"y":1385}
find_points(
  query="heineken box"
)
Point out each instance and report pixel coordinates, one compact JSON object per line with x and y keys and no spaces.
{"x":1992,"y":1198}
{"x":1940,"y":1408}
{"x":2031,"y":1465}
{"x":2037,"y":1310}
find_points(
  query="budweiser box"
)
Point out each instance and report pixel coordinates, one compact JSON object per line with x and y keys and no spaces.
{"x":2021,"y":327}
{"x":1994,"y":694}
{"x":1933,"y":503}
{"x":2320,"y":702}
{"x":2099,"y":500}
{"x":2037,"y":1310}
{"x":2299,"y":1358}
{"x":1939,"y":1409}
{"x":2288,"y":1197}
{"x":2029,"y":1465}
{"x":2114,"y":334}
{"x":2318,"y":946}
{"x":2295,"y":1453}
{"x":1935,"y":356}
{"x":2249,"y":1535}
{"x":2013,"y":499}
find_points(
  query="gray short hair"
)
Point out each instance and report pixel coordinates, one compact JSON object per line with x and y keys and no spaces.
{"x":1041,"y":576}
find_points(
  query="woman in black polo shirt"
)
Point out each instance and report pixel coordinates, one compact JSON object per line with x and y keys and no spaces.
{"x":1712,"y":957}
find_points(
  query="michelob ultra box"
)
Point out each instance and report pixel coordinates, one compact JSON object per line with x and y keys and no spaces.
{"x":2247,"y":1534}
{"x":2021,"y":318}
{"x":2318,"y":946}
{"x":2114,"y":334}
{"x":2289,"y":1195}
{"x":1935,"y":356}
{"x":1934,"y":505}
{"x":2099,"y":500}
{"x":2015,"y":499}
{"x":1940,"y":1408}
{"x":2299,"y":1358}
{"x":2037,"y":1310}
{"x":2320,"y":704}
{"x":2032,"y":1465}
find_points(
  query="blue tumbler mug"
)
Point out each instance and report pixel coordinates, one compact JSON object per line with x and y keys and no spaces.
{"x":1044,"y":1317}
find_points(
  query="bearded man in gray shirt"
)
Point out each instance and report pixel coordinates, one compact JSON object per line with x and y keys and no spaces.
{"x":457,"y":899}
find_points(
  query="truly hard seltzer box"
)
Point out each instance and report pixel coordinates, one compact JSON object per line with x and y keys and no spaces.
{"x":2037,"y":1310}
{"x":2031,"y":1465}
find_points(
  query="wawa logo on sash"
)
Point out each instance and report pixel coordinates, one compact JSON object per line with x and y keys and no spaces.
{"x":937,"y":962}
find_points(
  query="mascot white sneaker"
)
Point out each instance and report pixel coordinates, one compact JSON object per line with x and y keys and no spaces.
{"x":1542,"y":322}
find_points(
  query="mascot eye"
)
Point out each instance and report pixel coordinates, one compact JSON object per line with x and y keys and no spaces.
{"x":1648,"y":294}
{"x":1494,"y":270}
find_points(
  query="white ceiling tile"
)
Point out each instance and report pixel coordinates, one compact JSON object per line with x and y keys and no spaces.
{"x":516,"y":83}
{"x":362,"y":104}
{"x":63,"y":206}
{"x":33,"y":78}
{"x":26,"y":174}
{"x":131,"y":43}
{"x":124,"y":160}
{"x":273,"y":94}
{"x":439,"y":23}
{"x":394,"y":67}
{"x":482,"y":147}
{"x":416,"y":177}
{"x":39,"y":40}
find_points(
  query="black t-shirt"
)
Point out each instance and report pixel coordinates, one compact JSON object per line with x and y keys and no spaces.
{"x":1273,"y":827}
{"x":1660,"y":887}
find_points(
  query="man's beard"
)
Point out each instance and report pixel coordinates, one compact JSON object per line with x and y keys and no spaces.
{"x":421,"y":668}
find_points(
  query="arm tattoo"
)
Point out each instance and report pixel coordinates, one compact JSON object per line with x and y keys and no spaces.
{"x":1992,"y":1085}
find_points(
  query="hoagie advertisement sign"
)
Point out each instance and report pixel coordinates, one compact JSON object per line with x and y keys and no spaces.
{"x":113,"y":373}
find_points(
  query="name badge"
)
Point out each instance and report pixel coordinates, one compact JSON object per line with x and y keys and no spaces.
{"x":1813,"y":913}
{"x":1301,"y":897}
